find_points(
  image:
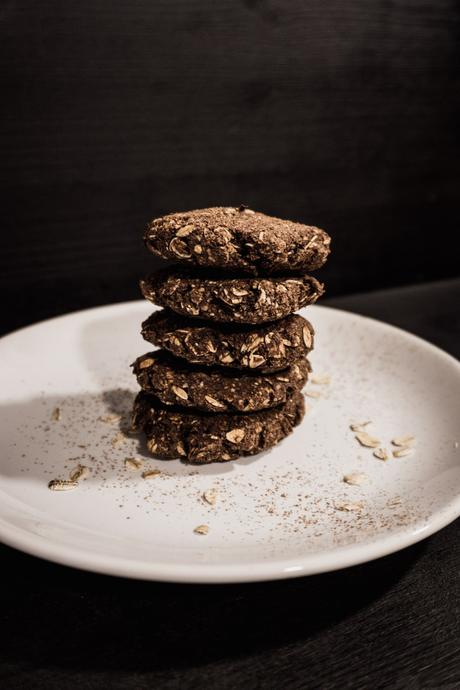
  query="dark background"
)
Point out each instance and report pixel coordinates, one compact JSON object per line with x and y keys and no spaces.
{"x":339,"y":114}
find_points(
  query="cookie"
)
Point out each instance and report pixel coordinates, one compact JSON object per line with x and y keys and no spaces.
{"x":202,"y":438}
{"x":265,"y":348}
{"x":240,"y":300}
{"x":215,"y":389}
{"x":238,"y":239}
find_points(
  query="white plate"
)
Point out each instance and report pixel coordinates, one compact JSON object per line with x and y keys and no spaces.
{"x":277,"y":513}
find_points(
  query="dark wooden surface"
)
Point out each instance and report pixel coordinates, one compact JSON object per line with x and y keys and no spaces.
{"x":391,"y":624}
{"x":341,"y":114}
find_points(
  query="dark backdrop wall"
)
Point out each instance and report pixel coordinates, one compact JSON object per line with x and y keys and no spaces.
{"x":340,"y":114}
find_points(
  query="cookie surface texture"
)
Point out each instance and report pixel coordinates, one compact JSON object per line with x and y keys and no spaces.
{"x":229,"y":299}
{"x":237,"y":239}
{"x":204,"y":438}
{"x":215,"y":389}
{"x":269,"y":347}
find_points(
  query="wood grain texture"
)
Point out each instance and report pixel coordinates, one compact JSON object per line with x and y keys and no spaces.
{"x":338,"y":114}
{"x":392,"y":624}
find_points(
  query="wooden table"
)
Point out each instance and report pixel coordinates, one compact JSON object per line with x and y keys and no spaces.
{"x":393,"y":623}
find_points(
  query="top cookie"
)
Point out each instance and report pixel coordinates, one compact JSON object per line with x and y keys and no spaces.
{"x":237,"y":239}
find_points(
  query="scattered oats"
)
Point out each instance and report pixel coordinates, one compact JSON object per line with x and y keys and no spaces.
{"x":201,"y":529}
{"x":405,"y":441}
{"x":211,"y":347}
{"x":56,"y":414}
{"x":239,"y":293}
{"x":80,"y":472}
{"x":235,"y":435}
{"x":210,"y":496}
{"x":146,"y":363}
{"x":197,"y":249}
{"x":117,"y":439}
{"x":212,"y":401}
{"x":402,"y":452}
{"x":380,"y":453}
{"x":62,"y":485}
{"x":110,"y":418}
{"x":359,"y":427}
{"x":321,"y":380}
{"x":312,"y":393}
{"x":150,"y":474}
{"x":133,"y":464}
{"x":355,"y":478}
{"x":349,"y":507}
{"x":226,"y":359}
{"x":180,"y":392}
{"x":366,"y":440}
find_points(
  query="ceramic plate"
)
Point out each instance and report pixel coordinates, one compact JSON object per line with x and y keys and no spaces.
{"x":65,"y":395}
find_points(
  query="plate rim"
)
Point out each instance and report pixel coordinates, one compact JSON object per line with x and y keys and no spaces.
{"x":214,"y":573}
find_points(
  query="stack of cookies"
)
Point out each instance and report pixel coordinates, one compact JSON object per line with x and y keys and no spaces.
{"x":227,"y":380}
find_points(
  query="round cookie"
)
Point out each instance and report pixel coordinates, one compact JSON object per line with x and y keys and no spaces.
{"x":266,"y":348}
{"x":239,"y":300}
{"x":237,"y":239}
{"x":202,"y":438}
{"x":214,"y":389}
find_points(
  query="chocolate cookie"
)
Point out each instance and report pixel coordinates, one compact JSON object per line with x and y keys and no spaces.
{"x":238,"y":239}
{"x":267,"y":348}
{"x":215,"y":389}
{"x":241,"y":300}
{"x":201,"y":438}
